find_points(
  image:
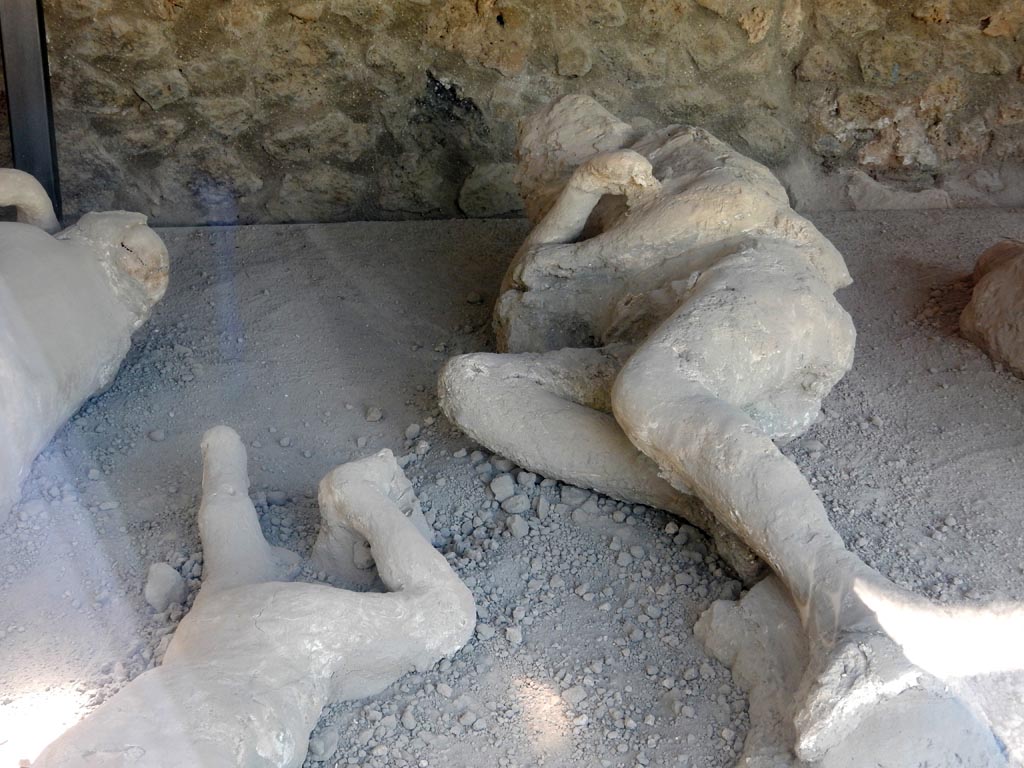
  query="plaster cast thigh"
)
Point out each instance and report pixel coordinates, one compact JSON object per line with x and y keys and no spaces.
{"x":758,"y":331}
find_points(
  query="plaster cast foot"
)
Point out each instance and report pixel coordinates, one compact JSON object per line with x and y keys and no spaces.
{"x":861,"y":671}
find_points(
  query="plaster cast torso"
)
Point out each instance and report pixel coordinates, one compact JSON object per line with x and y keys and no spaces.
{"x":708,"y":223}
{"x":631,"y":264}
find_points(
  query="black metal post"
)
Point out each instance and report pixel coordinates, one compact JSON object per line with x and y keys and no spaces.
{"x":27,"y":76}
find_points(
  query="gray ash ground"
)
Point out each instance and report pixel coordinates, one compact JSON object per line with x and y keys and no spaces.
{"x":584,"y":654}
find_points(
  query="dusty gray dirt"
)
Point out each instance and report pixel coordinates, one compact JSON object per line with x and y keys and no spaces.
{"x":584,"y":653}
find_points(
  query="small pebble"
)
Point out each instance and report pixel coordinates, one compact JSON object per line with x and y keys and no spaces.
{"x":503,"y":487}
{"x":517,"y":526}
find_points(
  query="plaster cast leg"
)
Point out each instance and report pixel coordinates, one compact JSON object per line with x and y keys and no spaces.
{"x":251,"y":666}
{"x":549,"y":413}
{"x":761,"y":639}
{"x":234,"y":550}
{"x":341,"y":551}
{"x":668,"y":398}
{"x":23,"y":191}
{"x":374,"y":498}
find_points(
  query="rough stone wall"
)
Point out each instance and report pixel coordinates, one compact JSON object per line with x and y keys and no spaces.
{"x":266,"y":111}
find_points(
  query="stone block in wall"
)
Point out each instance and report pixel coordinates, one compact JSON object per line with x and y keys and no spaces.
{"x":316,"y":194}
{"x":889,"y":58}
{"x":497,"y":36}
{"x":1005,"y":21}
{"x":228,"y":116}
{"x":161,"y":87}
{"x":490,"y":190}
{"x":823,"y":63}
{"x":835,"y":20}
{"x":412,"y":184}
{"x":767,"y":139}
{"x":333,"y":136}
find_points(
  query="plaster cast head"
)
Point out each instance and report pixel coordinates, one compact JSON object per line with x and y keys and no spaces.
{"x":133,"y":255}
{"x":556,"y":140}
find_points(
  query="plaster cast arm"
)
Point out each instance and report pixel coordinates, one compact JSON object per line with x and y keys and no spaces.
{"x":256,"y":659}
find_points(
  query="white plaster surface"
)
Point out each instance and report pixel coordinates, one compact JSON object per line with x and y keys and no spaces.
{"x":69,"y":303}
{"x":250,"y":668}
{"x":722,"y":296}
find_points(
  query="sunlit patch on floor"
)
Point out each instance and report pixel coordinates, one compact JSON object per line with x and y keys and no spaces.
{"x":545,"y":714}
{"x":32,"y":720}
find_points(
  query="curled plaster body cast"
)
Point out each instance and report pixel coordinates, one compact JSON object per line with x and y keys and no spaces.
{"x":69,"y":302}
{"x":255,"y":660}
{"x":667,"y":321}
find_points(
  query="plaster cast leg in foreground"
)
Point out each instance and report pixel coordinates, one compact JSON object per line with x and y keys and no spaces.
{"x":761,"y":639}
{"x":667,"y":399}
{"x":253,"y":663}
{"x":563,"y":429}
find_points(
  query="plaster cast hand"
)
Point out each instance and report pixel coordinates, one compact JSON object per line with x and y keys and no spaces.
{"x":623,"y":172}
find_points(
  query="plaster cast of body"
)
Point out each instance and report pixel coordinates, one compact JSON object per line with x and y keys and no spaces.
{"x":666,"y":321}
{"x":256,"y":659}
{"x":69,"y":302}
{"x":992,"y":318}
